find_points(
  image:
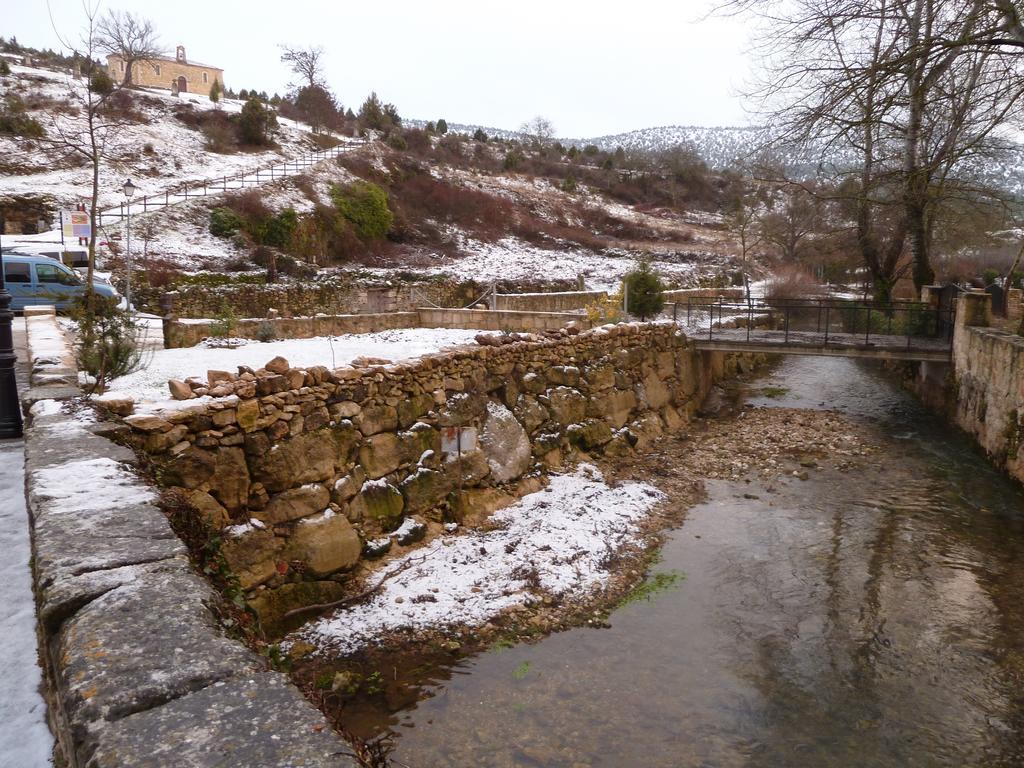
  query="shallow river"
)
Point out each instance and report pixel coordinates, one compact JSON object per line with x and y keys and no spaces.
{"x":872,"y":618}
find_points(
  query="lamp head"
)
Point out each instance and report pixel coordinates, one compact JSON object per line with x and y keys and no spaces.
{"x":129,"y":189}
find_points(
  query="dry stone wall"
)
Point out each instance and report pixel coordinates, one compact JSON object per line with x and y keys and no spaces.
{"x":563,"y":301}
{"x":331,"y":294}
{"x":188,"y":333}
{"x":307,"y":471}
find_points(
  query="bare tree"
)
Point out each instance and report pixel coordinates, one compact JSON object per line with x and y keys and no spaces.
{"x":743,"y":218}
{"x":91,"y":135}
{"x":129,"y":36}
{"x":890,"y":87}
{"x":306,"y":63}
{"x":539,"y":129}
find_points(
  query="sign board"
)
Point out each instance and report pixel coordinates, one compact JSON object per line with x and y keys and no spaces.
{"x":75,"y":224}
{"x":458,"y":439}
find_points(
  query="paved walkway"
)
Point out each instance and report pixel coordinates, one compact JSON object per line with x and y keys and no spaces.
{"x":25,"y":740}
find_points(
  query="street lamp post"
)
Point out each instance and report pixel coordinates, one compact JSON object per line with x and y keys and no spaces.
{"x":129,"y":190}
{"x":10,"y":408}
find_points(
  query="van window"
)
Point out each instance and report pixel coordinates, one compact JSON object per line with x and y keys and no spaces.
{"x":16,"y":273}
{"x":51,"y":273}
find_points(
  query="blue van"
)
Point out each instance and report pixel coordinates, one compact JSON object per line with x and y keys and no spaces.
{"x":36,"y":280}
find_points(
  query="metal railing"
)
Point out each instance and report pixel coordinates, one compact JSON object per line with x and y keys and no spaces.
{"x":819,"y":321}
{"x":211,"y":186}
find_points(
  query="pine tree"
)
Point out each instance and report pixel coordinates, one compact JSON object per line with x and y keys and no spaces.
{"x":215,"y":91}
{"x":442,"y":126}
{"x":644,"y":291}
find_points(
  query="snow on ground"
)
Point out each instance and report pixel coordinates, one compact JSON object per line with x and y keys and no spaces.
{"x":560,"y":537}
{"x":25,"y":740}
{"x":178,"y":152}
{"x":514,"y":259}
{"x":149,"y":385}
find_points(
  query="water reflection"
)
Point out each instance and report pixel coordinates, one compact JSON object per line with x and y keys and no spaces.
{"x":860,"y":619}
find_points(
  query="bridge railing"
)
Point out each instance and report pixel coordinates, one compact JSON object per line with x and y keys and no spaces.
{"x":818,"y":320}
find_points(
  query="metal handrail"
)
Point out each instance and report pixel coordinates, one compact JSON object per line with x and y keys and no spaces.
{"x":206,"y":187}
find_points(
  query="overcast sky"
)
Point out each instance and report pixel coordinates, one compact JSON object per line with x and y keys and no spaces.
{"x":592,"y":68}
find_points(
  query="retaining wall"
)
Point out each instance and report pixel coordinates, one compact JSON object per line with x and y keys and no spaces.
{"x":988,"y":384}
{"x":566,"y":301}
{"x":178,"y":333}
{"x":982,"y":388}
{"x":307,"y":471}
{"x":703,"y":294}
{"x":499,"y":320}
{"x":188,"y":333}
{"x":340,"y":294}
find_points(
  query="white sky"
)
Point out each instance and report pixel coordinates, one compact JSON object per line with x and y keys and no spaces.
{"x":592,"y":68}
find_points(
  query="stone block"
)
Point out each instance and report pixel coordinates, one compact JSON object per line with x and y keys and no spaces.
{"x":209,"y":509}
{"x":230,"y":480}
{"x":567,"y":405}
{"x":252,"y":556}
{"x":505,"y":444}
{"x":379,"y":503}
{"x":380,"y":455}
{"x":349,"y":485}
{"x":295,"y":503}
{"x":312,"y":457}
{"x":425,"y":489}
{"x":590,"y":434}
{"x":375,"y":419}
{"x":271,"y":605}
{"x":324,"y":544}
{"x":247,"y":414}
{"x":112,"y":662}
{"x":253,"y":719}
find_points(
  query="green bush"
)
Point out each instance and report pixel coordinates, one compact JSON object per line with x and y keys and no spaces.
{"x":442,"y":126}
{"x":215,"y":91}
{"x":365,"y":205}
{"x":397,"y":141}
{"x":265,"y":331}
{"x":224,"y":324}
{"x":569,"y":184}
{"x":224,"y":222}
{"x":15,"y":120}
{"x":277,"y":231}
{"x":644,"y":291}
{"x":255,"y":123}
{"x":512,"y":161}
{"x":5,"y":68}
{"x":479,"y":135}
{"x":100,"y":82}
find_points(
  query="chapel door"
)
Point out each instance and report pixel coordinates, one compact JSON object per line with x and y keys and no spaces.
{"x":182,"y":85}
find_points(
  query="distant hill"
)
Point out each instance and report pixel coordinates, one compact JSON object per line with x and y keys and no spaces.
{"x":718,"y":146}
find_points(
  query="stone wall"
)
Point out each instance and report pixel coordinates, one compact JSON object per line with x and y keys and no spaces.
{"x":307,"y":471}
{"x":988,"y":384}
{"x":188,"y":333}
{"x":703,"y":294}
{"x":499,"y":320}
{"x":331,"y":294}
{"x":564,"y":301}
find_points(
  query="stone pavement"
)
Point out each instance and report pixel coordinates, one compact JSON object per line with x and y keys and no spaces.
{"x":25,"y":739}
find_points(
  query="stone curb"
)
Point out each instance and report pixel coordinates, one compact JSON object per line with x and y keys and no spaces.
{"x":140,"y":673}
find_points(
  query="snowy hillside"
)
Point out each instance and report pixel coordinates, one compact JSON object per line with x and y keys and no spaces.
{"x":153,"y":145}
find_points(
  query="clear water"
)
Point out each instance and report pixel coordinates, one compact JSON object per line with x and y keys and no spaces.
{"x":865,"y":619}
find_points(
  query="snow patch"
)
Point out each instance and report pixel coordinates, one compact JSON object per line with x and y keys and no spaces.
{"x":561,"y":538}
